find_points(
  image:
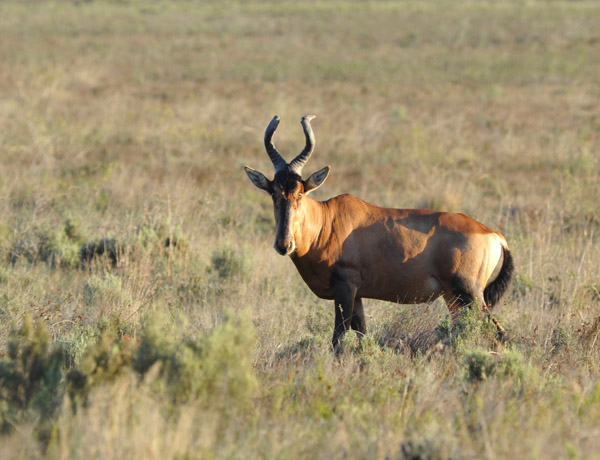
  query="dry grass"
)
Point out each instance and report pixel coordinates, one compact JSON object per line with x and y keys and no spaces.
{"x":130,"y":121}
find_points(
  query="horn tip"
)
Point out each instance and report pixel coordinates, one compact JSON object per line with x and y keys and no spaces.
{"x":272,"y":126}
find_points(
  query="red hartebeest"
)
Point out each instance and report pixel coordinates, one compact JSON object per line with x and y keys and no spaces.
{"x":346,"y":249}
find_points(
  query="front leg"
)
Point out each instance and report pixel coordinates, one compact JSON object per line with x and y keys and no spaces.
{"x":358,"y":318}
{"x":344,"y":292}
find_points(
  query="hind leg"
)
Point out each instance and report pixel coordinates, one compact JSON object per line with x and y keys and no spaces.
{"x":462,"y":294}
{"x":455,"y":305}
{"x":458,"y":295}
{"x":485,"y":309}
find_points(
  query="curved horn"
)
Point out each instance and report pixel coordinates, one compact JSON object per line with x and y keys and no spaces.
{"x":277,"y":160}
{"x":298,"y":163}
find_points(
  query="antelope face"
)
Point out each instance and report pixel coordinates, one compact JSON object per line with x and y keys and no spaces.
{"x":288,"y":193}
{"x":287,"y":189}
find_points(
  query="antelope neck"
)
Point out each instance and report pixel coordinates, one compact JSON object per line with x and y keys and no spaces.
{"x":311,"y":226}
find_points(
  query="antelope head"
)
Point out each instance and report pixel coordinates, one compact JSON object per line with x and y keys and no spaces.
{"x":288,"y":190}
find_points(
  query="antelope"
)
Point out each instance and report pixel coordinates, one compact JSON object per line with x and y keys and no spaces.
{"x":346,"y":249}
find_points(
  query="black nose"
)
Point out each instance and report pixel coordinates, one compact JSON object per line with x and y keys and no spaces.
{"x":280,"y":248}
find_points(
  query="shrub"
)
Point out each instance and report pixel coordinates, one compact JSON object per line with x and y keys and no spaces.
{"x":26,"y":248}
{"x":108,"y":247}
{"x":30,"y":378}
{"x":228,"y":263}
{"x":471,"y":329}
{"x":58,"y":250}
{"x":215,"y":367}
{"x":75,"y":231}
{"x":176,"y":238}
{"x":482,"y":364}
{"x":427,"y":448}
{"x":150,"y":237}
{"x":60,"y":247}
{"x":104,"y":290}
{"x":101,"y":362}
{"x":561,"y":339}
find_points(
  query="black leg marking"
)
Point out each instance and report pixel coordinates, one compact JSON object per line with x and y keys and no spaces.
{"x":358,"y":318}
{"x":344,"y":284}
{"x":343,"y":319}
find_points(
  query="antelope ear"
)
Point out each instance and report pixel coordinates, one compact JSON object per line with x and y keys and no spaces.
{"x":259,"y":179}
{"x":316,"y":180}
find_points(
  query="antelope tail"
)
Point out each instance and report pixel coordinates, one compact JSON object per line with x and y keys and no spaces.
{"x":496,"y":288}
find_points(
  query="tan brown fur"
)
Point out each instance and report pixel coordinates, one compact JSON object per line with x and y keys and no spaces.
{"x":347,"y":249}
{"x":391,"y":253}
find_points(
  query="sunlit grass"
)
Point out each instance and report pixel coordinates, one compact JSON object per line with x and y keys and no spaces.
{"x":125,"y":125}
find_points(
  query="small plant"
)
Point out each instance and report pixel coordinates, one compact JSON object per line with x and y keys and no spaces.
{"x":58,"y":250}
{"x":420,"y":449}
{"x":176,"y":238}
{"x":154,"y":346}
{"x":228,"y":263}
{"x":349,"y":343}
{"x":102,"y":362}
{"x":471,"y":329}
{"x":479,"y":365}
{"x":30,"y":378}
{"x":24,"y":248}
{"x":75,"y":231}
{"x":300,"y":349}
{"x":108,"y":247}
{"x":104,"y":290}
{"x":561,"y":339}
{"x":149,"y":236}
{"x":482,"y":364}
{"x":218,"y":364}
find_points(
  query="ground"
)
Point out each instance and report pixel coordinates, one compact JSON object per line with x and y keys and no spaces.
{"x":143,"y":310}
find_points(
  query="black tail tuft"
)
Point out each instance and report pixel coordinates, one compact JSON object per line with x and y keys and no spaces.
{"x":496,"y":288}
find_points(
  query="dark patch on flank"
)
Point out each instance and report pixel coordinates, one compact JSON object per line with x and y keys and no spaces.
{"x":461,"y":292}
{"x":427,"y":220}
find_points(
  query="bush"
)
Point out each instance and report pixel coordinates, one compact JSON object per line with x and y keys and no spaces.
{"x":58,"y":250}
{"x":105,"y":291}
{"x":102,"y":362}
{"x":108,"y":247}
{"x":30,"y":378}
{"x":421,"y":449}
{"x":23,"y":248}
{"x":470,"y":330}
{"x":482,"y":364}
{"x":176,"y":238}
{"x":228,"y":263}
{"x":214,"y":367}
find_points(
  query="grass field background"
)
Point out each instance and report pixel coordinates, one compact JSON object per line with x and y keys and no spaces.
{"x":143,"y":311}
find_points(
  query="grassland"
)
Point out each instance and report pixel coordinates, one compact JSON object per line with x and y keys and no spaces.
{"x":143,"y":312}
